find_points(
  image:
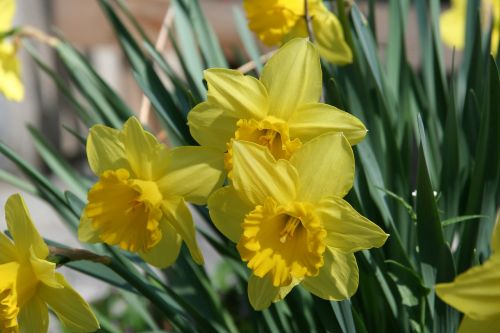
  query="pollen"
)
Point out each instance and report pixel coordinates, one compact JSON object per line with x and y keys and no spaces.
{"x":285,"y":242}
{"x":271,"y":133}
{"x":125,"y":211}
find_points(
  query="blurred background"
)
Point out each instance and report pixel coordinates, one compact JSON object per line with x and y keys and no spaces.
{"x":84,"y":25}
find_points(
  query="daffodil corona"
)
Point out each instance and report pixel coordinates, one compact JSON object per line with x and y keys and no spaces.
{"x":10,"y":69}
{"x":280,"y":111}
{"x":476,"y":292}
{"x":276,"y":21}
{"x":138,"y":203}
{"x":29,"y":283}
{"x":290,"y":222}
{"x":453,"y":23}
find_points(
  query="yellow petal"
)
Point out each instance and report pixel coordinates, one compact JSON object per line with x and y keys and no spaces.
{"x":330,"y":37}
{"x":141,"y":148}
{"x":338,"y":279}
{"x":325,"y":166}
{"x":475,"y":292}
{"x":7,"y":250}
{"x":227,"y":211}
{"x":167,"y":250}
{"x":452,"y":24}
{"x":9,"y":303}
{"x":44,"y":271}
{"x":86,"y":233}
{"x":193,"y":173}
{"x":211,"y":126}
{"x":11,"y":85}
{"x":272,"y":20}
{"x":22,"y":229}
{"x":469,"y":325}
{"x":243,"y":97}
{"x":257,"y":175}
{"x":34,"y":316}
{"x":7,"y":10}
{"x":495,"y":237}
{"x":347,"y":230}
{"x":261,"y":292}
{"x":292,"y":77}
{"x":314,"y":119}
{"x":180,"y":218}
{"x":71,"y":309}
{"x":105,"y":151}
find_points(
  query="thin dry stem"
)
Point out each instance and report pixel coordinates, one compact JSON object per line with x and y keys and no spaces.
{"x":34,"y":33}
{"x":161,"y":42}
{"x":251,"y":65}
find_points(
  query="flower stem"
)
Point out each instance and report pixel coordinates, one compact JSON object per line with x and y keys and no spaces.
{"x":309,"y":25}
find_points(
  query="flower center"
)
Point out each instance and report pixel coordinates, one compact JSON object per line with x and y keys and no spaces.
{"x":8,"y":297}
{"x":125,"y":211}
{"x":284,"y":241}
{"x":270,"y":132}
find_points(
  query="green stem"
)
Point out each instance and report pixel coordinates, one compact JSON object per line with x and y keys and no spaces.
{"x":147,"y":291}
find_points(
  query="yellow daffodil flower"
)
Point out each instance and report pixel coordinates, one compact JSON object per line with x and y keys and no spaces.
{"x":279,"y":111}
{"x":476,"y":292}
{"x":453,"y":23}
{"x":29,"y":283}
{"x":290,"y":222}
{"x":11,"y":85}
{"x":138,"y":203}
{"x":276,"y":21}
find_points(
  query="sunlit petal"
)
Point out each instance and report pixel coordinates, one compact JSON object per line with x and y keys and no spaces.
{"x":347,"y":230}
{"x":34,"y":316}
{"x":257,"y":174}
{"x":105,"y":150}
{"x":475,"y":292}
{"x":338,"y":279}
{"x":179,"y":216}
{"x":71,"y":309}
{"x":227,"y":211}
{"x":292,"y":77}
{"x":261,"y":292}
{"x":22,"y":229}
{"x":211,"y":126}
{"x":325,"y":166}
{"x":241,"y":96}
{"x":193,"y":173}
{"x":167,"y":250}
{"x":312,"y":120}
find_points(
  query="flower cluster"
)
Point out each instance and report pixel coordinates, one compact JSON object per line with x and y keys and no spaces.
{"x":289,"y":162}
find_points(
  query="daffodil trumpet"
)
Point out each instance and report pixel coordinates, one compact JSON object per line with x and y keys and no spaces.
{"x":290,"y":222}
{"x":29,"y":283}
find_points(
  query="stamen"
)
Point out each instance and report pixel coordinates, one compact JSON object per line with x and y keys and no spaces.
{"x":289,"y":229}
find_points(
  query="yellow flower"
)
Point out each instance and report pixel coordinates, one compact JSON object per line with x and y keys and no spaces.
{"x":453,"y":23}
{"x":276,"y":21}
{"x":476,"y":292}
{"x":11,"y":85}
{"x":280,"y":111}
{"x":138,"y":201}
{"x":29,"y":283}
{"x":10,"y":69}
{"x":290,"y":222}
